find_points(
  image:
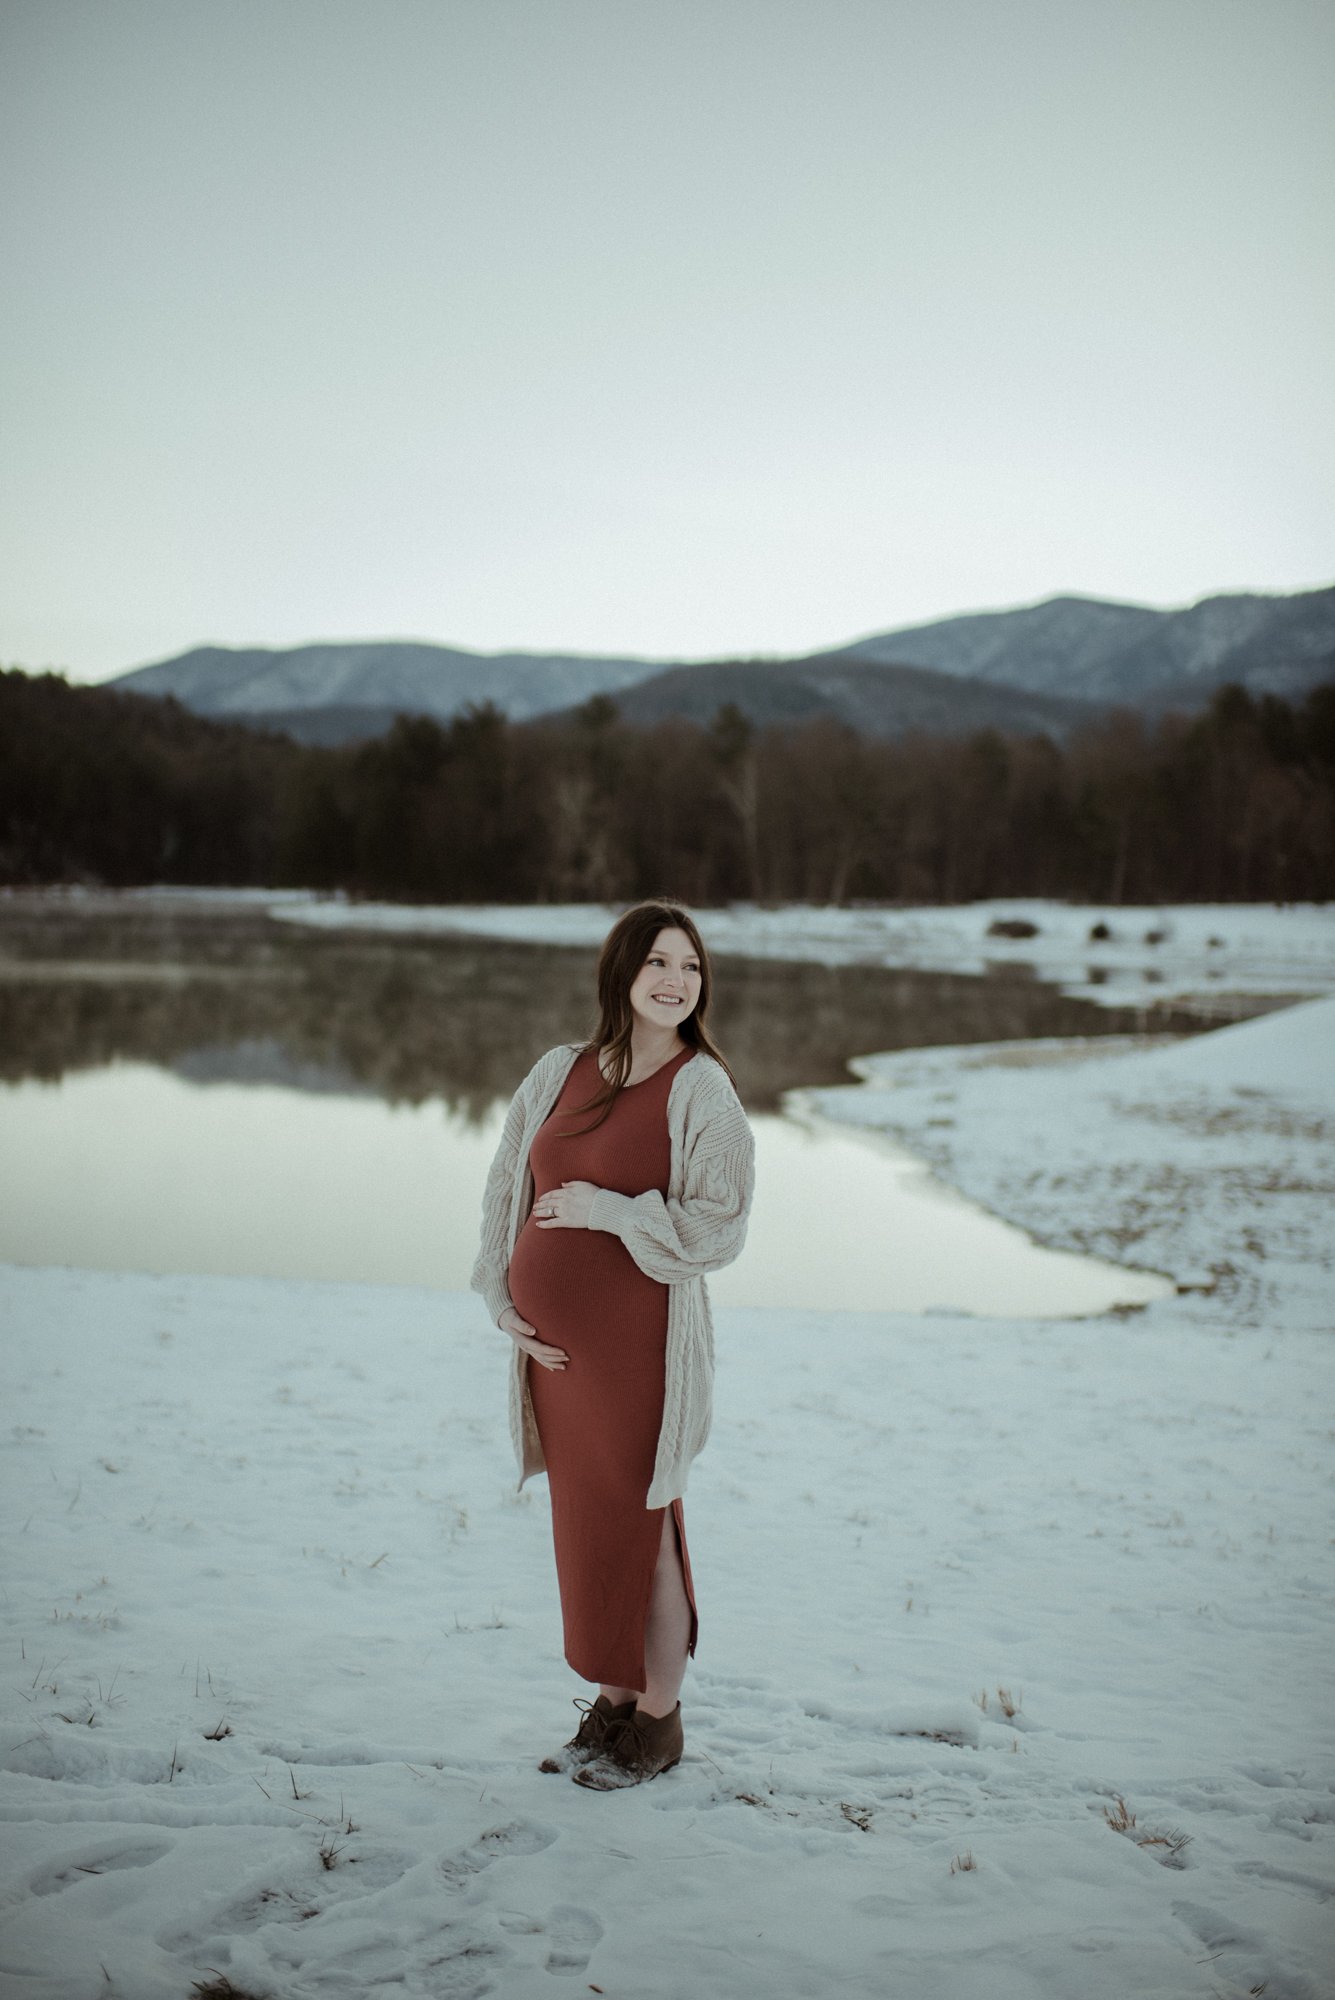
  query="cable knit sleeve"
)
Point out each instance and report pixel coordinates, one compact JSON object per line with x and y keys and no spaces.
{"x":491,"y":1270}
{"x":672,"y":1240}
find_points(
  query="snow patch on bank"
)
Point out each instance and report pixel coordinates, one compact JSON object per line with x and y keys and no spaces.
{"x":1210,"y":1158}
{"x":1202,"y":953}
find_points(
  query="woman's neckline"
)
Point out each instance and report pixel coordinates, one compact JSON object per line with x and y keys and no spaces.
{"x":684,"y":1050}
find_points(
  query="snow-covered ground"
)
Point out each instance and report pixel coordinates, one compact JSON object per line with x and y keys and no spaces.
{"x":1205,"y":953}
{"x":1013,"y":1678}
{"x":1209,"y":1158}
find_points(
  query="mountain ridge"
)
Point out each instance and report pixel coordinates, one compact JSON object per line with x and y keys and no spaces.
{"x":874,"y":697}
{"x":1126,"y":652}
{"x":1082,"y":654}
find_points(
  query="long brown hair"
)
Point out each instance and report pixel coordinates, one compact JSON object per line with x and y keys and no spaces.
{"x":625,"y":949}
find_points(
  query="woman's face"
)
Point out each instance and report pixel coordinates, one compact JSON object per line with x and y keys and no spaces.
{"x":667,"y":986}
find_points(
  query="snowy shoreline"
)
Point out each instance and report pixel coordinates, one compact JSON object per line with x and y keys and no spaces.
{"x":1208,"y":1158}
{"x":272,"y":1588}
{"x":1217,"y":957}
{"x":1209,"y":955}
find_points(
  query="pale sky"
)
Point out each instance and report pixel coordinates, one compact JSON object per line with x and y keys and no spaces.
{"x":673,"y":327}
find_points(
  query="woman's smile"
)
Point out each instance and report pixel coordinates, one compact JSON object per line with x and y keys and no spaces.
{"x":669,"y":980}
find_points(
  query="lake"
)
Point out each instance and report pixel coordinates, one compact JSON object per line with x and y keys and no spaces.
{"x":196,"y":1087}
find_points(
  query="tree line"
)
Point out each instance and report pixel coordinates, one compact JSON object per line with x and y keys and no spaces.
{"x":1234,"y":803}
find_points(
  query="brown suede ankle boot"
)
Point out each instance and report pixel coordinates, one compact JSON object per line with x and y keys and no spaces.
{"x":599,"y":1716}
{"x":634,"y":1751}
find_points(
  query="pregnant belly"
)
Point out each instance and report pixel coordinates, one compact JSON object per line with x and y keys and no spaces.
{"x":563,"y":1280}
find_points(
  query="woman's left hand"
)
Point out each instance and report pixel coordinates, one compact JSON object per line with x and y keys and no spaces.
{"x":566,"y":1207}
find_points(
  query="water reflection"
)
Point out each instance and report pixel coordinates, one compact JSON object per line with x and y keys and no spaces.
{"x":131,"y":1168}
{"x":240,"y":997}
{"x":242,"y":1095}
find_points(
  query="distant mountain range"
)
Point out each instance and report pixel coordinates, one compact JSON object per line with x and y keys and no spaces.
{"x":1040,"y":667}
{"x":874,"y":697}
{"x":1127,"y":653}
{"x":368,"y":683}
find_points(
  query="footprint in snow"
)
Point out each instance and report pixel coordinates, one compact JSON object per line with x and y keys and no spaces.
{"x":57,"y":1875}
{"x":573,"y":1933}
{"x":361,"y":1870}
{"x":1295,"y":1878}
{"x":515,"y":1838}
{"x":463,"y":1970}
{"x":1216,"y":1931}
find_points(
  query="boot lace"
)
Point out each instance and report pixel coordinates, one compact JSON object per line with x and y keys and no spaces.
{"x":626,"y":1743}
{"x":593,"y":1726}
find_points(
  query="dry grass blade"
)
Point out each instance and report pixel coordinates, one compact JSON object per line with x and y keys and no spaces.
{"x":1008,"y":1703}
{"x":1166,"y":1844}
{"x":1170,"y":1841}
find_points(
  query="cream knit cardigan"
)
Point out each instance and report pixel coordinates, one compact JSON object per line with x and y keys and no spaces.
{"x":700,"y":1227}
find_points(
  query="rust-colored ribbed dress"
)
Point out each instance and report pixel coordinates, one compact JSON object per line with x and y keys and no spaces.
{"x":599,"y":1416}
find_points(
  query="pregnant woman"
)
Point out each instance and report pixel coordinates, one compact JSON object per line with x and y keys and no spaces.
{"x":625,"y":1173}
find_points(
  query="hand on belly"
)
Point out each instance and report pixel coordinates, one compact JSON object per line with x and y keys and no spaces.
{"x":566,"y":1207}
{"x":524,"y":1335}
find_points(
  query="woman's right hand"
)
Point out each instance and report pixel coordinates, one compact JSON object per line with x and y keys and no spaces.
{"x":525,"y":1336}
